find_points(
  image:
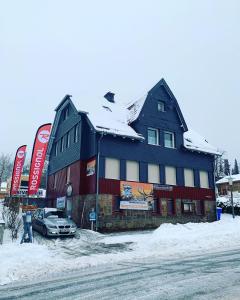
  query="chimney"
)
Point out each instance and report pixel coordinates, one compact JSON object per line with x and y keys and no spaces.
{"x":110,"y":97}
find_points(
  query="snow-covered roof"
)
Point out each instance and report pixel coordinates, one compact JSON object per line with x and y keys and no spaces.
{"x":135,"y":108}
{"x":111,"y":118}
{"x":226,"y":179}
{"x":194,"y":141}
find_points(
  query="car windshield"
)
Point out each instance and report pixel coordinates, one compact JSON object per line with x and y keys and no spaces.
{"x":55,"y":214}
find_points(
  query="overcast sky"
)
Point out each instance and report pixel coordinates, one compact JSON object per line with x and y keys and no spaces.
{"x":86,"y":48}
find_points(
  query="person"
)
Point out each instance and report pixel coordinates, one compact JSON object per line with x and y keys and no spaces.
{"x":27,"y":226}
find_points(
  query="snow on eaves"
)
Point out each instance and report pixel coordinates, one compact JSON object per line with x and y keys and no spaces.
{"x":195,"y":142}
{"x":225,"y":179}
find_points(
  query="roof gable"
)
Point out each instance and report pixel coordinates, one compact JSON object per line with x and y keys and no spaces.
{"x":136,"y":107}
{"x":59,"y":109}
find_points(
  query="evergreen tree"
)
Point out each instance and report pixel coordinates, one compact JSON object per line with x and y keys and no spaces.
{"x":226,"y":167}
{"x":235,"y":168}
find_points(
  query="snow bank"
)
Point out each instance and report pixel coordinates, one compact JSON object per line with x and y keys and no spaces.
{"x":49,"y":256}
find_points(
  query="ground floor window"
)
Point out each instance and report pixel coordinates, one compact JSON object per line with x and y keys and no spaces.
{"x":170,"y":207}
{"x":188,"y":207}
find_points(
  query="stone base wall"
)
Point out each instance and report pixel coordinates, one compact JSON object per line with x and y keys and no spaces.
{"x":110,"y":220}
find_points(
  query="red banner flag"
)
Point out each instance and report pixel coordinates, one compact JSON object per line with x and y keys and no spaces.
{"x":17,"y":169}
{"x":38,"y":158}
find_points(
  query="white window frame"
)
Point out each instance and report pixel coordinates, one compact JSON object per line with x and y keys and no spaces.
{"x":157,"y":136}
{"x":173,"y":139}
{"x":161,"y":106}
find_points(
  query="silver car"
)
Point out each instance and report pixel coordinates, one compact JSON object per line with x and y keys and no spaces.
{"x":53,"y":222}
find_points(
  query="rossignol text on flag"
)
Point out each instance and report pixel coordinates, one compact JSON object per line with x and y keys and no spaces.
{"x":38,"y":158}
{"x":17,"y":169}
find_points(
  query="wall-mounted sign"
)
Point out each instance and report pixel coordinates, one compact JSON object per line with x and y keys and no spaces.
{"x":162,"y":187}
{"x":91,"y":165}
{"x":136,"y":195}
{"x":61,"y":201}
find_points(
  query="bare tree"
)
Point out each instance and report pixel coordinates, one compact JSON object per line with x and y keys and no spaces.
{"x":5,"y":167}
{"x":11,"y":216}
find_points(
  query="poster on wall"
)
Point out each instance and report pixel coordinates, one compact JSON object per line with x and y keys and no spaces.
{"x":61,"y":201}
{"x":136,"y":195}
{"x":91,"y":167}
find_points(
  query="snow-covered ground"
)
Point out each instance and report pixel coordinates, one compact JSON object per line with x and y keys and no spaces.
{"x":47,"y":257}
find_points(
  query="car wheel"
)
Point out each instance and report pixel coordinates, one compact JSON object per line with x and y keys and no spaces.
{"x":44,"y":231}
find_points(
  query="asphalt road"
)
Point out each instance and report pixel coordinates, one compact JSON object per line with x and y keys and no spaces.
{"x":215,"y":276}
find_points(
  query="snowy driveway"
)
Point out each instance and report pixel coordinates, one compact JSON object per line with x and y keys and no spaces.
{"x":215,"y":276}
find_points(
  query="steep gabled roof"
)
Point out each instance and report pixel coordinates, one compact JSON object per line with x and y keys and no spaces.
{"x":135,"y":107}
{"x":65,"y":101}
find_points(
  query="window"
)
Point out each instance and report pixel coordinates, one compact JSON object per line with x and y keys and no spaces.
{"x":188,"y":207}
{"x":161,"y":106}
{"x":170,"y":174}
{"x":153,"y":173}
{"x":67,"y":139}
{"x":189,"y":177}
{"x":204,"y":183}
{"x":56,"y":149}
{"x":132,"y":170}
{"x":153,"y":138}
{"x":76,"y":133}
{"x":55,"y":181}
{"x":66,"y":113}
{"x":61,"y":144}
{"x":169,"y":141}
{"x":112,"y":168}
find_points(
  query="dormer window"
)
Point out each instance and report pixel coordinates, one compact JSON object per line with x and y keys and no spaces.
{"x":161,"y":106}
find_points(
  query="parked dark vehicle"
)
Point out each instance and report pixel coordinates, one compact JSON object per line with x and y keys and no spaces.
{"x":53,"y":222}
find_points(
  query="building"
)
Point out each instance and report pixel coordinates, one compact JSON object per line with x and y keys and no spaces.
{"x":223,"y":185}
{"x":23,"y":188}
{"x":138,"y":166}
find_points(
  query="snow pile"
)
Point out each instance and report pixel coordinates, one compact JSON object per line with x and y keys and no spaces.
{"x":194,"y":141}
{"x":50,"y":256}
{"x":226,"y":200}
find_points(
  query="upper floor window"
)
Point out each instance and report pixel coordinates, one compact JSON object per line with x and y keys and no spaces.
{"x":68,"y":139}
{"x":189,"y":177}
{"x":153,"y":173}
{"x":112,"y":168}
{"x":56,"y":149}
{"x":169,"y":139}
{"x":161,"y":106}
{"x":76,"y":132}
{"x":204,"y":181}
{"x":153,"y":137}
{"x":61,"y":144}
{"x":66,"y":113}
{"x":170,"y":174}
{"x":132,"y":170}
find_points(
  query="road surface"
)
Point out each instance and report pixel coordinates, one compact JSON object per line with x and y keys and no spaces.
{"x":212,"y":276}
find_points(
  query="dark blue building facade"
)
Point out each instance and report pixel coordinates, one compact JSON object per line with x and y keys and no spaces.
{"x":97,"y":158}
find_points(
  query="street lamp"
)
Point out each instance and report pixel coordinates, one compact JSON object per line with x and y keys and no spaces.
{"x":230,"y":182}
